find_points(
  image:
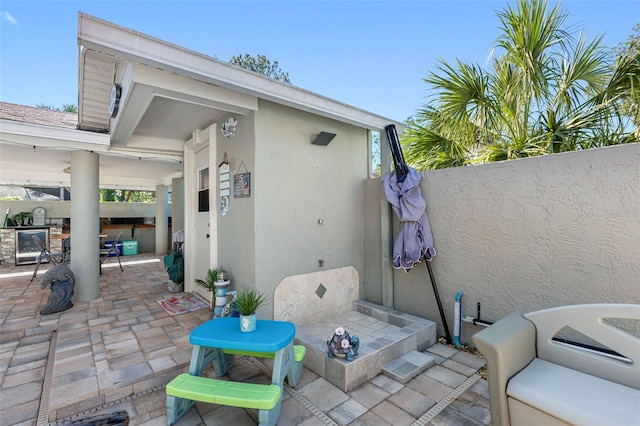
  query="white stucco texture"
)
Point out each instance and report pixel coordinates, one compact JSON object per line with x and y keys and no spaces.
{"x":530,"y":234}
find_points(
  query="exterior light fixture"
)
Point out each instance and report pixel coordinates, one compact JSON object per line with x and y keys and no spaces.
{"x":323,"y":138}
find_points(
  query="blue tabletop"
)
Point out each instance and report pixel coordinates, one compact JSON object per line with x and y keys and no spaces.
{"x":224,"y":333}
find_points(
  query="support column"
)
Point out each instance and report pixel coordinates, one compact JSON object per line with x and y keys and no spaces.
{"x":177,"y":204}
{"x":386,"y":227}
{"x":85,"y":225}
{"x":162,"y":219}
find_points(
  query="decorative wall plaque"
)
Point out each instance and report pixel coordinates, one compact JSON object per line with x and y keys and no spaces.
{"x":242,"y":183}
{"x":224,"y":190}
{"x":39,"y":216}
{"x":229,"y":127}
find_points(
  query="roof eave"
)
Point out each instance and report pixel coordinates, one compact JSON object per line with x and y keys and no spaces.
{"x":120,"y":42}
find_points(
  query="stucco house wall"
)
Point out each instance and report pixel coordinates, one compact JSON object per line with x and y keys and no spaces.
{"x":529,"y":234}
{"x":306,"y":200}
{"x":237,"y":229}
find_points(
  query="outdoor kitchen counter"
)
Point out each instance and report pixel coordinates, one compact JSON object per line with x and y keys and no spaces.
{"x":144,"y":234}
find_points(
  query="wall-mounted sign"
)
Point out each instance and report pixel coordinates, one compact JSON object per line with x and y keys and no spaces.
{"x":242,"y":183}
{"x":225,"y":191}
{"x":39,"y":216}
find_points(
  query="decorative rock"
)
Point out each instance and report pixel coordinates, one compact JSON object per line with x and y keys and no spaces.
{"x":61,"y":280}
{"x":343,"y":345}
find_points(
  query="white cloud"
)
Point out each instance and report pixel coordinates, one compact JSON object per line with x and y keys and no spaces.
{"x":7,"y":17}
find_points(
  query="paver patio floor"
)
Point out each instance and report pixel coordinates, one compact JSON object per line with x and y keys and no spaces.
{"x":118,"y":351}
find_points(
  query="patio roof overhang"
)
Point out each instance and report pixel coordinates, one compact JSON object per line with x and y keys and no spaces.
{"x":167,"y":94}
{"x":40,"y":155}
{"x":105,"y":48}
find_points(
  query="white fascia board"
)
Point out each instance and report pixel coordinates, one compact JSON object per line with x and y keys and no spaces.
{"x":135,"y":100}
{"x":141,"y":184}
{"x":130,"y":45}
{"x":41,"y":135}
{"x":146,"y":147}
{"x":20,"y":181}
{"x":189,"y":90}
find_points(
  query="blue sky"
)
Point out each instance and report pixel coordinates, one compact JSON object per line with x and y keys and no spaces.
{"x":369,"y":54}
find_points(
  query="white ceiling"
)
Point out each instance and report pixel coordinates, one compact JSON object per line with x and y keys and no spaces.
{"x":22,"y":165}
{"x":171,"y":119}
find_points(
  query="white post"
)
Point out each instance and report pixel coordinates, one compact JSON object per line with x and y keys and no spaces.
{"x":85,"y":225}
{"x":177,"y":204}
{"x":162,"y":219}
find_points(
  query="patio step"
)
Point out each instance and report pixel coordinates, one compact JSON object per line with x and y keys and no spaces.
{"x":385,"y":335}
{"x":408,"y":366}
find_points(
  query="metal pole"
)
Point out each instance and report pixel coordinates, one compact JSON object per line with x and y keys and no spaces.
{"x":435,"y":292}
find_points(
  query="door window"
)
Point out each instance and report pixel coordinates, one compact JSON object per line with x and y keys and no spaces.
{"x":203,"y":189}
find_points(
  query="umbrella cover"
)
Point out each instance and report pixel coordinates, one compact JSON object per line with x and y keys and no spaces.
{"x":414,"y":241}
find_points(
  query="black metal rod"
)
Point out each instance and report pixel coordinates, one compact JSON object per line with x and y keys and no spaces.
{"x":396,"y":152}
{"x":435,"y":292}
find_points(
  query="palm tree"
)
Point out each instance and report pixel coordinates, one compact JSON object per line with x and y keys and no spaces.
{"x":546,"y":91}
{"x":65,"y":108}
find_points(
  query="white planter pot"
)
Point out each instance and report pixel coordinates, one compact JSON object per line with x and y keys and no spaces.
{"x":247,"y":323}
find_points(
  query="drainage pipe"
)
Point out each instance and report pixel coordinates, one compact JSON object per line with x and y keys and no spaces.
{"x":476,"y":321}
{"x":457,"y":325}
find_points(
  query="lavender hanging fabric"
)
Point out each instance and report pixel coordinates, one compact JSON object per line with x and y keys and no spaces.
{"x":414,"y":241}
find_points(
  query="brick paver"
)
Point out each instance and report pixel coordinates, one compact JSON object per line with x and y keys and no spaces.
{"x":117,"y":352}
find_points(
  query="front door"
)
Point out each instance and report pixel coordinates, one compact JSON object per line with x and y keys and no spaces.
{"x":202,"y":224}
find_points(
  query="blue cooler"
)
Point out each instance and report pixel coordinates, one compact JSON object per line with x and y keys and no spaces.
{"x":129,"y":247}
{"x":108,"y":244}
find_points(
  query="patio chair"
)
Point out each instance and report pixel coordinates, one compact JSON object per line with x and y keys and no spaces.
{"x":112,"y":251}
{"x":66,"y":250}
{"x":45,"y":254}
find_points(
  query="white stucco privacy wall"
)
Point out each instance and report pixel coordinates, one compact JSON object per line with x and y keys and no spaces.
{"x":530,"y":234}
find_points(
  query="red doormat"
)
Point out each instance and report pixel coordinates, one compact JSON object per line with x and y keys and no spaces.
{"x":181,"y":304}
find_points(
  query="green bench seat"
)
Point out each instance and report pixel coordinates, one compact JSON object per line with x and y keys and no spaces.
{"x":185,"y":389}
{"x":225,"y":392}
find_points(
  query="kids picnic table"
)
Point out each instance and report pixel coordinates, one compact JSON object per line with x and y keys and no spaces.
{"x":217,"y":341}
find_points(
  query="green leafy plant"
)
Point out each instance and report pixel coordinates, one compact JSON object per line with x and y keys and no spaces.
{"x":248,"y":301}
{"x":22,"y":218}
{"x":209,"y":283}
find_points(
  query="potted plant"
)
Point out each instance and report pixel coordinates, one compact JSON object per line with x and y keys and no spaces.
{"x":247,"y":303}
{"x":22,"y":218}
{"x":209,"y":284}
{"x":216,"y":282}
